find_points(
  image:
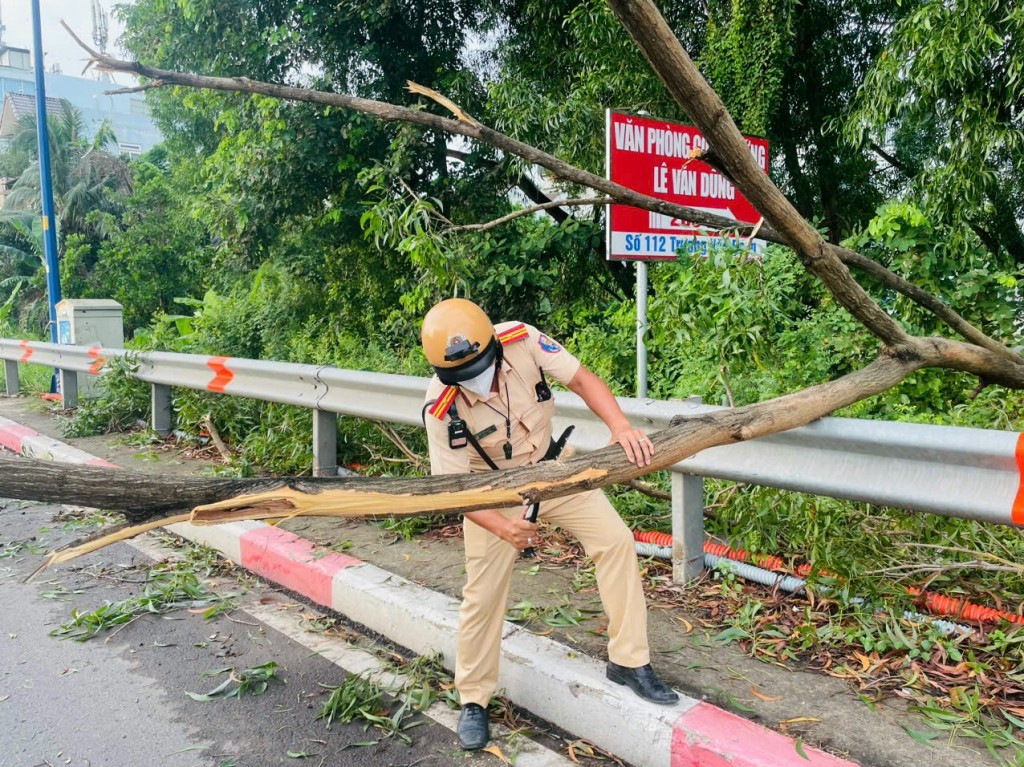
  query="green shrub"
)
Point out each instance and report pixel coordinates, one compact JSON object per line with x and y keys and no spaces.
{"x":119,"y":404}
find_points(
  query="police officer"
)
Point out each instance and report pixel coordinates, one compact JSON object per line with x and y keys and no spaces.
{"x":489,"y":407}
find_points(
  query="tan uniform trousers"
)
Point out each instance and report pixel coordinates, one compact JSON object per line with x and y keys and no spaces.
{"x":489,"y":563}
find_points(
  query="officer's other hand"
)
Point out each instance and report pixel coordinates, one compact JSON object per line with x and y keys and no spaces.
{"x":638,"y":446}
{"x":522,"y":534}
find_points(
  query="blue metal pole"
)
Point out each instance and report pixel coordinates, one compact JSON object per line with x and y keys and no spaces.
{"x":45,"y":181}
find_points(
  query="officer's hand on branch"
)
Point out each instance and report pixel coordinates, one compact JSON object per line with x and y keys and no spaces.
{"x":599,"y":398}
{"x":638,"y":446}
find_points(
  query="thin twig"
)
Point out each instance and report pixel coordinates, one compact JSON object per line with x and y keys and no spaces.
{"x":982,"y":385}
{"x":753,"y":232}
{"x":137,"y":89}
{"x":235,"y":620}
{"x":962,"y":550}
{"x":646,"y":489}
{"x":724,"y":376}
{"x":123,"y":625}
{"x":215,"y":437}
{"x":939,"y":569}
{"x":392,"y":436}
{"x":416,"y":198}
{"x":533,"y":209}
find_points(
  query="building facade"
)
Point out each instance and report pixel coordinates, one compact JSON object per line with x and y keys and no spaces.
{"x":127,"y":113}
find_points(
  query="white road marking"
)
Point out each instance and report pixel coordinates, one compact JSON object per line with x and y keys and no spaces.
{"x":355,"y":660}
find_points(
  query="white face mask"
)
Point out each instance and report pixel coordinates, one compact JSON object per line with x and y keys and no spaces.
{"x":481,"y":384}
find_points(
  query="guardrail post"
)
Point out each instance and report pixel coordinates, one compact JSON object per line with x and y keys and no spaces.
{"x":325,"y":444}
{"x":11,"y":377}
{"x":69,"y":388}
{"x":160,"y":402}
{"x":687,"y":527}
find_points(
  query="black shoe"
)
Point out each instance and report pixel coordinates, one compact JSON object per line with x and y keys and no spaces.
{"x":644,"y":682}
{"x":474,"y":731}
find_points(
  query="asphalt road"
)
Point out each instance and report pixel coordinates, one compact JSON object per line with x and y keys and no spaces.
{"x":120,"y":698}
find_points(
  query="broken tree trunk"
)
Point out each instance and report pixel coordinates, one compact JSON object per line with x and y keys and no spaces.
{"x":900,"y":355}
{"x":150,"y":501}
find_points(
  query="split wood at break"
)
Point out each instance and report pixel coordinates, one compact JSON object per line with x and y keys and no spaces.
{"x":147,"y":499}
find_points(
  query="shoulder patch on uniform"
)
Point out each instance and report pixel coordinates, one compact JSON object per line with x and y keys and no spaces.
{"x":443,"y":404}
{"x":513,"y":334}
{"x":548,"y":345}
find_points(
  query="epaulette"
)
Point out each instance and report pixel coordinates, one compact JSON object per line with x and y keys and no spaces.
{"x":443,"y":403}
{"x":513,"y":334}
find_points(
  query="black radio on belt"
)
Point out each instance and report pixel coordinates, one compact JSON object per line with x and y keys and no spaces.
{"x":458,"y":434}
{"x":542,"y":388}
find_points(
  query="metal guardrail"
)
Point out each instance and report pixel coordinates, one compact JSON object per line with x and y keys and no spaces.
{"x":953,"y":471}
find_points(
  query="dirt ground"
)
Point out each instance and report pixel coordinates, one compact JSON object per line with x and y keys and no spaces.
{"x":829,"y":712}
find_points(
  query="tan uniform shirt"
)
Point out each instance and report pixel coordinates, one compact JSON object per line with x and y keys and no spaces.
{"x":529,"y":421}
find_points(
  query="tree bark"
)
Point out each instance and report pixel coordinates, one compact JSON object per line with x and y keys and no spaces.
{"x":824,"y":260}
{"x":148,"y":498}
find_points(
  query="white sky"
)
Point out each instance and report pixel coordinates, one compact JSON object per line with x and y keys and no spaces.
{"x":57,"y":44}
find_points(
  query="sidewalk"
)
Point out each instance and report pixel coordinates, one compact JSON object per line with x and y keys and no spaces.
{"x":408,"y":591}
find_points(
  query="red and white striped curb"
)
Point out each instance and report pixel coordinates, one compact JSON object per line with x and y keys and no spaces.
{"x":543,"y":676}
{"x":29,"y":442}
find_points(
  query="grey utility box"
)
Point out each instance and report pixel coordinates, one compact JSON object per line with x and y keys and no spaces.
{"x":87,"y":322}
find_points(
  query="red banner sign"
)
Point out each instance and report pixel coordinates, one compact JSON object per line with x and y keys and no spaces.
{"x":653,"y":157}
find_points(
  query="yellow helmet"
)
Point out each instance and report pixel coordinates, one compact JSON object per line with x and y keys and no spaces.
{"x":459,"y":340}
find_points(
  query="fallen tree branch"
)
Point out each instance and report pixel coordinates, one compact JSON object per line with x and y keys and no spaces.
{"x":821,"y":258}
{"x":262,"y":498}
{"x":220,"y":500}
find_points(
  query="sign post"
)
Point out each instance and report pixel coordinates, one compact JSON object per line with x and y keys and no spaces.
{"x":655,"y":157}
{"x":45,"y":182}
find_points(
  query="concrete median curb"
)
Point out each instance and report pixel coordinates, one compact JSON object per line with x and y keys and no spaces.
{"x":30,"y":443}
{"x":543,"y":676}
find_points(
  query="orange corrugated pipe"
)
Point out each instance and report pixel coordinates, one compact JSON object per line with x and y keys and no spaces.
{"x":717,"y":549}
{"x":962,"y":608}
{"x":938,"y":604}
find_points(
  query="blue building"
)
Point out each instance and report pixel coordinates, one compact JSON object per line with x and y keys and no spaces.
{"x":127,"y":113}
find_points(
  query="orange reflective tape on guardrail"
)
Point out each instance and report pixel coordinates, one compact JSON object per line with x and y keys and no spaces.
{"x":94,"y":353}
{"x":28,"y":351}
{"x":1017,"y":512}
{"x":223,"y":378}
